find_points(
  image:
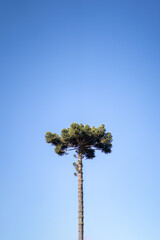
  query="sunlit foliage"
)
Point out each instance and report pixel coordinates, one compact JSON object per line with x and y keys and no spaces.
{"x":83,"y":139}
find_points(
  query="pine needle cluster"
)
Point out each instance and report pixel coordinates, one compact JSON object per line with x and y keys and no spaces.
{"x":83,"y":139}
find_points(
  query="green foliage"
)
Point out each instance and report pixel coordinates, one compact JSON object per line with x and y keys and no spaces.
{"x":76,"y":166}
{"x":83,"y":139}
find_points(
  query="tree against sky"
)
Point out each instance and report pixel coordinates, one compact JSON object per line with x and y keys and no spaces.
{"x":84,"y":140}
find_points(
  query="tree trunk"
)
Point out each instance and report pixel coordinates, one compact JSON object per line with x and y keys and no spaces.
{"x":80,"y":197}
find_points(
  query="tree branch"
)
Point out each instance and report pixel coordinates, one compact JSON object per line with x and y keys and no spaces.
{"x":69,"y":149}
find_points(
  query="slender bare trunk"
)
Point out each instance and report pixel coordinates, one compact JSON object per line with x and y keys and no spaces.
{"x":80,"y":197}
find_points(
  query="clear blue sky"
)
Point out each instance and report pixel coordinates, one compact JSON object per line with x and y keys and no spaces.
{"x":89,"y":62}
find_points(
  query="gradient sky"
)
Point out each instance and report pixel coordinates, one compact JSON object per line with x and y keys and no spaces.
{"x":89,"y":62}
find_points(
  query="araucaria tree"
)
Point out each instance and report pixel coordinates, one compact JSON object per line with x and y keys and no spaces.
{"x":84,"y":141}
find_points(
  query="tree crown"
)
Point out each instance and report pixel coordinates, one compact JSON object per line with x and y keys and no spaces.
{"x":83,"y":139}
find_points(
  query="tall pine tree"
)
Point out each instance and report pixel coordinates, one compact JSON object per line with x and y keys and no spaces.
{"x":84,"y":140}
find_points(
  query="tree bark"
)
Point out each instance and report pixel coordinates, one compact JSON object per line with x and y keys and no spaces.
{"x":80,"y":198}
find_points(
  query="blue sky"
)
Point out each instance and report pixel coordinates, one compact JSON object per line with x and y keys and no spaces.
{"x":90,"y":62}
